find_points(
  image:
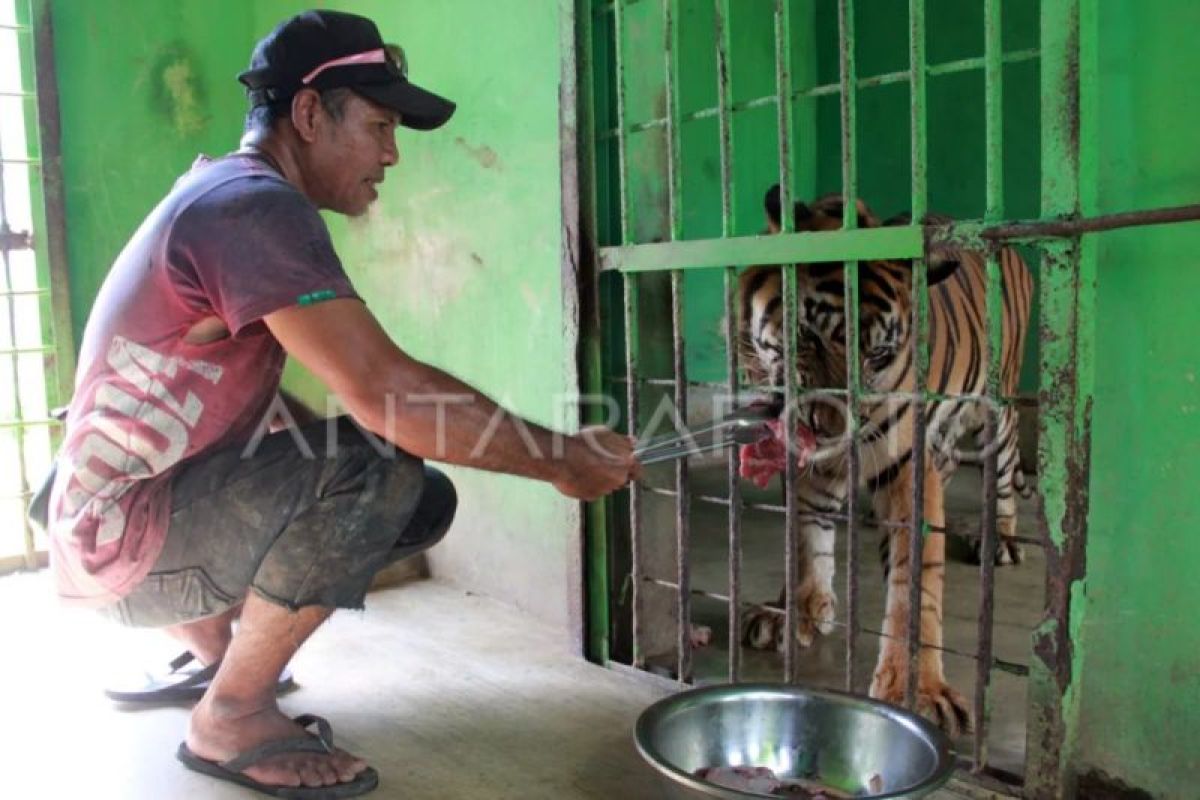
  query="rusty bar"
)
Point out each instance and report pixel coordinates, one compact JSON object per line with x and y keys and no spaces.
{"x":993,"y":210}
{"x":622,"y":138}
{"x":635,"y":489}
{"x":682,"y":501}
{"x":1066,"y":342}
{"x":783,"y":92}
{"x":675,"y":215}
{"x":884,"y":79}
{"x":849,"y":102}
{"x":920,"y":338}
{"x":53,"y":201}
{"x":724,"y":44}
{"x":733,"y":486}
{"x":723,"y":41}
{"x":1070,"y":228}
{"x":987,"y":596}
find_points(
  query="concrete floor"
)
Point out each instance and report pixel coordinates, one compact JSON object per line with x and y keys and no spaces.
{"x":447,"y":694}
{"x":1019,"y":598}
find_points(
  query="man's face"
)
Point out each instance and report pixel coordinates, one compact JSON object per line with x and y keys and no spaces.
{"x":348,"y":156}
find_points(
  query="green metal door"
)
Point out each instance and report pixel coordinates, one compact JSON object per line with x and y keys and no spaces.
{"x":687,"y":109}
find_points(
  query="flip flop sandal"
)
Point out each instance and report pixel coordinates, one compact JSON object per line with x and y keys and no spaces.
{"x":184,"y":679}
{"x":321,"y":742}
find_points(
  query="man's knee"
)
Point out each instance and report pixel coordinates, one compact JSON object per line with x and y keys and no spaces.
{"x":442,"y":500}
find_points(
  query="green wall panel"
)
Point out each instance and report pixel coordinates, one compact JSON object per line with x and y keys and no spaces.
{"x":144,"y":86}
{"x":1141,"y":642}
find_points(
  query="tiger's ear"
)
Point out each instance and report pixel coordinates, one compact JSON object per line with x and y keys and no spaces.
{"x":773,"y":206}
{"x":941,"y":263}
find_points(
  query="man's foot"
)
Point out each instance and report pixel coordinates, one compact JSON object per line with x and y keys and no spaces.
{"x":218,"y":733}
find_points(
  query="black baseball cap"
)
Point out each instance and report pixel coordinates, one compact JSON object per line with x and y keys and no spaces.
{"x":331,"y":49}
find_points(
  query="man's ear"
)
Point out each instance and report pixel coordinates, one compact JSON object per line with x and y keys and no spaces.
{"x":306,"y":106}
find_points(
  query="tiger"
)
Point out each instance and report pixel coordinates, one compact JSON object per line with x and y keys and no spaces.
{"x":958,"y":356}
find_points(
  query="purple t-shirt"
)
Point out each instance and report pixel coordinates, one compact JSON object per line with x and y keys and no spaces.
{"x":235,"y":241}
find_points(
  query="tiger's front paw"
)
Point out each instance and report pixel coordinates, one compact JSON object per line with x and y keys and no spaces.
{"x":937,"y":700}
{"x":1008,"y":552}
{"x":818,"y":610}
{"x":763,"y":629}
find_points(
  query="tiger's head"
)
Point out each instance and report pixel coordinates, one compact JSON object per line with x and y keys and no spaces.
{"x":885,"y":310}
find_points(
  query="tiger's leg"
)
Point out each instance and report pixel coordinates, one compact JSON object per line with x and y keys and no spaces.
{"x":1008,"y":550}
{"x":817,"y":496}
{"x":936,"y":699}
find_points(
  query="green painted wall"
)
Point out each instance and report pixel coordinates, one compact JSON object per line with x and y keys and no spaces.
{"x":143,"y":87}
{"x":460,"y":258}
{"x":1141,"y":641}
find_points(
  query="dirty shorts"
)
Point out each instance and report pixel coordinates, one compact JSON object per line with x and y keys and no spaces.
{"x":305,"y":518}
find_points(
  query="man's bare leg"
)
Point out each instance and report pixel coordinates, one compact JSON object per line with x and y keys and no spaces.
{"x":207,"y":639}
{"x":239,"y":711}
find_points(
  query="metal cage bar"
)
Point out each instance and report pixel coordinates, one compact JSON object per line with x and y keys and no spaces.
{"x":994,"y":210}
{"x":724,"y":43}
{"x":14,"y":355}
{"x":849,"y":101}
{"x":675,"y":216}
{"x":920,"y":339}
{"x":783,"y":87}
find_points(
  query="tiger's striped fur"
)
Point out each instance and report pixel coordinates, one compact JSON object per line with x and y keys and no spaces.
{"x":958,"y":355}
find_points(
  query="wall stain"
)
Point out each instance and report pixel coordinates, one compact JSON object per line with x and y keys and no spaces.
{"x":177,"y":91}
{"x":483,"y":154}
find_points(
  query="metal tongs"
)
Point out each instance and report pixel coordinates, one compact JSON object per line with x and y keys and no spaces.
{"x":747,"y":425}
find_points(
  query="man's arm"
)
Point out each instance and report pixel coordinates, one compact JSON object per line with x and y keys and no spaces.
{"x":432,"y":414}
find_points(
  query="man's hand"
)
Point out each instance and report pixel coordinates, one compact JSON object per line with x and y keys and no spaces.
{"x":598,"y":461}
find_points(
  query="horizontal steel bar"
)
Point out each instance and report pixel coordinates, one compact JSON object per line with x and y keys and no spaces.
{"x":22,"y":351}
{"x":6,"y":26}
{"x":22,"y":496}
{"x":951,"y":530}
{"x":28,"y":423}
{"x":783,"y":248}
{"x":1074,"y":227}
{"x":21,"y":94}
{"x":1010,"y":667}
{"x":885,"y":79}
{"x":25,"y":292}
{"x":34,"y":162}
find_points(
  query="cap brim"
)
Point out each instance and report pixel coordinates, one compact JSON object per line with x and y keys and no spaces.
{"x":419,"y":109}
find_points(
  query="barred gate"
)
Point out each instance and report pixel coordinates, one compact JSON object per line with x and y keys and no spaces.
{"x":36,"y":350}
{"x":635,"y":239}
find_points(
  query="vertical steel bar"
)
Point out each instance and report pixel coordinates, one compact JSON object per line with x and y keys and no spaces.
{"x":633,"y":385}
{"x":1067,"y":300}
{"x":783,"y":95}
{"x":920,"y":338}
{"x":682,"y":496}
{"x":993,"y":211}
{"x":622,"y":130}
{"x":50,"y":148}
{"x":723,"y":41}
{"x":682,"y":499}
{"x":849,"y":103}
{"x":30,"y":550}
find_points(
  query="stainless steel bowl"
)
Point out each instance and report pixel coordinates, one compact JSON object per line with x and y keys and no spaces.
{"x":836,"y":739}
